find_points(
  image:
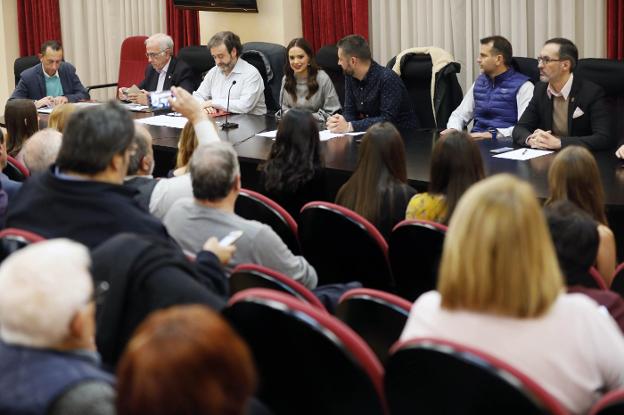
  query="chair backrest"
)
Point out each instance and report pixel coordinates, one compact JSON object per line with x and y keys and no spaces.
{"x":425,"y":375}
{"x":132,"y":61}
{"x":308,"y":361}
{"x":15,"y":170}
{"x":247,"y":276}
{"x":608,"y":74}
{"x":23,"y":63}
{"x":254,"y":58}
{"x":377,"y":316}
{"x":276,"y":55}
{"x":526,"y":66}
{"x":610,"y":404}
{"x":199,"y":59}
{"x":343,"y":246}
{"x":255,"y":206}
{"x":416,"y":75}
{"x":14,"y":239}
{"x":327,"y":59}
{"x":415,"y":249}
{"x":617,"y":282}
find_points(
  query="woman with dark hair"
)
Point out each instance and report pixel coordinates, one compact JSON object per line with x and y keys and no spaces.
{"x":456,"y":165}
{"x":305,"y":85}
{"x":574,"y":176}
{"x":378,"y":188}
{"x":21,"y":120}
{"x":185,"y":360}
{"x":293,"y":174}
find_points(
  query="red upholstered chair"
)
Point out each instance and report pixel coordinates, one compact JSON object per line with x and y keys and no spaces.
{"x":597,"y":279}
{"x":610,"y":404}
{"x":256,"y":206}
{"x":433,"y":376}
{"x":378,"y":317}
{"x":14,"y":239}
{"x":308,"y":361}
{"x":343,"y":246}
{"x":247,"y":276}
{"x":132,"y":63}
{"x":617,"y":283}
{"x":414,"y":252}
{"x":15,"y":170}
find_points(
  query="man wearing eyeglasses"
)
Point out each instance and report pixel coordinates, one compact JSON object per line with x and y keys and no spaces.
{"x":565,"y":110}
{"x":163,"y":72}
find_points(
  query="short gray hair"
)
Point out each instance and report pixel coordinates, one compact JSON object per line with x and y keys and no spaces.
{"x":142,"y":143}
{"x":42,"y":287}
{"x":214,"y":169}
{"x":163,"y":40}
{"x":41,"y":149}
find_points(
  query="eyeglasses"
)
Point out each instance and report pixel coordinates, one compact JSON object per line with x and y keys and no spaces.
{"x":546,"y":60}
{"x":154,"y":54}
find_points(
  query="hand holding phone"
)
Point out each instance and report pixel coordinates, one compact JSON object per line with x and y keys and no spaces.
{"x":230,"y":238}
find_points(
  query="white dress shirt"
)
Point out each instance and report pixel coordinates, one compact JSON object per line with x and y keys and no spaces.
{"x":162,"y":76}
{"x":463,"y":114}
{"x":246,"y":97}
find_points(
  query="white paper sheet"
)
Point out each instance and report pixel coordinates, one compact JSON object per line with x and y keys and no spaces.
{"x":522,"y":154}
{"x":323,"y":135}
{"x":165,"y":121}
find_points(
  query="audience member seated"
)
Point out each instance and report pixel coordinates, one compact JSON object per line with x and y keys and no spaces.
{"x":216,"y":180}
{"x":456,"y":165}
{"x":9,"y":186}
{"x":48,"y":361}
{"x":500,"y":291}
{"x":185,"y":360}
{"x":231,"y":76}
{"x":60,"y":115}
{"x":163,"y":71}
{"x":293,"y":174}
{"x":82,"y":197}
{"x":147,"y":274}
{"x":187,"y":143}
{"x":21,"y":121}
{"x":305,"y":85}
{"x":141,"y":166}
{"x":41,"y":150}
{"x":575,"y":236}
{"x":498,"y":97}
{"x":378,"y":188}
{"x":574,"y":176}
{"x":565,"y":110}
{"x":54,"y":82}
{"x":373,"y":93}
{"x":168,"y":191}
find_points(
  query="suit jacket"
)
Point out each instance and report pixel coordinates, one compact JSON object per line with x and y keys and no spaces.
{"x":32,"y":84}
{"x":178,"y":74}
{"x":590,"y":129}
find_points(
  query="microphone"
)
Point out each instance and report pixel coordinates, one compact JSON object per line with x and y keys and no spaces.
{"x":227,"y":125}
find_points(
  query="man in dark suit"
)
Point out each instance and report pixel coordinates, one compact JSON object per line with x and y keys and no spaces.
{"x":565,"y":110}
{"x":163,"y":72}
{"x":53,"y":82}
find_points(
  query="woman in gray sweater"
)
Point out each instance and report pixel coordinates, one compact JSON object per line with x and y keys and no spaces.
{"x":305,"y":85}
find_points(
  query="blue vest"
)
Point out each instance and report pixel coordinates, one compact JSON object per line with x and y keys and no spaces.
{"x":495,"y":101}
{"x":31,"y":379}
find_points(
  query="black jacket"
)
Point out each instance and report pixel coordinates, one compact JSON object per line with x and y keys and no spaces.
{"x":178,"y":74}
{"x":590,"y":129}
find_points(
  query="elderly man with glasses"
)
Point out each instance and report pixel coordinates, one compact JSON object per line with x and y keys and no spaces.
{"x":565,"y":109}
{"x":163,"y":71}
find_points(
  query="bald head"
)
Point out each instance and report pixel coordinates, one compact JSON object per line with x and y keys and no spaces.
{"x":41,"y":149}
{"x":142,"y":160}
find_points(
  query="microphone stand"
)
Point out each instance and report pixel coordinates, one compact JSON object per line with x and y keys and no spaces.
{"x":228,"y":125}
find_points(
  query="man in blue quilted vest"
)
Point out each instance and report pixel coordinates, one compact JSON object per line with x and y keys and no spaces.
{"x":498,"y":97}
{"x":48,"y":361}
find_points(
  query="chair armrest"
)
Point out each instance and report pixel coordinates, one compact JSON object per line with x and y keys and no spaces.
{"x":89,"y":88}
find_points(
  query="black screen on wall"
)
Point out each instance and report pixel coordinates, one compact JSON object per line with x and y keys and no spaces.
{"x":219,"y":5}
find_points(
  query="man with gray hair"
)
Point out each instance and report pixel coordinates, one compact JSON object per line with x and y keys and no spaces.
{"x":163,"y":72}
{"x":216,"y":182}
{"x":48,"y":360}
{"x":40,"y":150}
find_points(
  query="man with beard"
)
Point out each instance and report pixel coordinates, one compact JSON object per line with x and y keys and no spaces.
{"x":498,"y":97}
{"x":565,"y":109}
{"x":373,"y":93}
{"x":234,"y":75}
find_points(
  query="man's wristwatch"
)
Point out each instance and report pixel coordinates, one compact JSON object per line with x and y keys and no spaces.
{"x":493,"y":132}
